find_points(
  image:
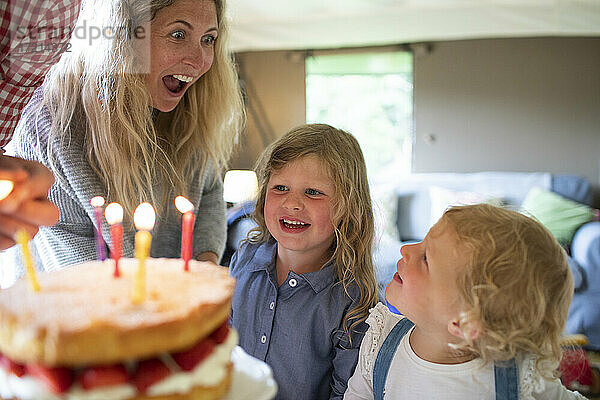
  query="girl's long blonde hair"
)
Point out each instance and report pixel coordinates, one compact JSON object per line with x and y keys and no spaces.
{"x":131,"y":147}
{"x":517,"y":284}
{"x":352,"y":210}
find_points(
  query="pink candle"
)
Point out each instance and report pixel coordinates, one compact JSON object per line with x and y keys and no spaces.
{"x":187,"y":229}
{"x":114,"y":216}
{"x":97,"y":202}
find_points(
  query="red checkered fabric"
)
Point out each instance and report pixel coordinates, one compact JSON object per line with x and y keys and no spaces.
{"x":33,"y":36}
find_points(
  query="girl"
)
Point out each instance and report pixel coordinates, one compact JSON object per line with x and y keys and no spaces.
{"x":305,"y":279}
{"x":149,"y":110}
{"x":485,"y":298}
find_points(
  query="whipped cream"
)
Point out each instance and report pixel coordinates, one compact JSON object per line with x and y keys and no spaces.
{"x":209,"y":372}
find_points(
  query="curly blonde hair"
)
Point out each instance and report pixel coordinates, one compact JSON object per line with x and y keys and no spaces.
{"x":517,"y":284}
{"x":353,"y":221}
{"x":129,"y":145}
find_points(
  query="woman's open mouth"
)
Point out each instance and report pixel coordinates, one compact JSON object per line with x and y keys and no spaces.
{"x":176,"y":84}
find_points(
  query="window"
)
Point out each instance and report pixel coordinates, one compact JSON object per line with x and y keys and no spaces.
{"x":371,"y":96}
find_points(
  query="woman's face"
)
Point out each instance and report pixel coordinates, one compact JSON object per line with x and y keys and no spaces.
{"x":182,"y":44}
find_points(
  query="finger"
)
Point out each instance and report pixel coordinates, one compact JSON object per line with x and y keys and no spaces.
{"x":207,"y":256}
{"x":15,"y":175}
{"x":38,"y":212}
{"x":40,"y":179}
{"x":6,"y":242}
{"x":6,"y":186}
{"x":19,"y":193}
{"x":12,"y":168}
{"x":10,"y":225}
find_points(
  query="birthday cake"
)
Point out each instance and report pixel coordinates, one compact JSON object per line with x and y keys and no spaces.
{"x":81,"y":336}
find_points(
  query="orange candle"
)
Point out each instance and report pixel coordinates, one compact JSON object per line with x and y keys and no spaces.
{"x":114,"y":216}
{"x":187,"y":229}
{"x":143,"y":218}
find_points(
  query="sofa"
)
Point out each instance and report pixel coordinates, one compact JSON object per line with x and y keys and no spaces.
{"x":421,"y":198}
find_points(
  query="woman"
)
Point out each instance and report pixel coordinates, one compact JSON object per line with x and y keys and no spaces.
{"x":147,"y":111}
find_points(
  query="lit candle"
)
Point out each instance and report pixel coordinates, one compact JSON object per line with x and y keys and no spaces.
{"x":114,"y":216}
{"x":143,"y":218}
{"x":97,"y":202}
{"x":187,"y":229}
{"x":22,"y":238}
{"x":6,"y":187}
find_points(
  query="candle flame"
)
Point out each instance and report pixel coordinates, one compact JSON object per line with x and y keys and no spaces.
{"x":6,"y":187}
{"x":183,"y":204}
{"x":113,"y":213}
{"x":144,"y":217}
{"x":97,"y":201}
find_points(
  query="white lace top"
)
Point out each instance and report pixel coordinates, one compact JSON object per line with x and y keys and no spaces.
{"x":410,"y":377}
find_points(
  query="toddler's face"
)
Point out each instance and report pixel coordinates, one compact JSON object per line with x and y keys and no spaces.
{"x":298,"y":207}
{"x":424,"y":288}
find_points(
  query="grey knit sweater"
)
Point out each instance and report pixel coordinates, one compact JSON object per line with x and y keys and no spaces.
{"x":71,"y":240}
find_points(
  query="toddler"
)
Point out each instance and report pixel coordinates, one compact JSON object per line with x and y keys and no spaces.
{"x":484,"y":300}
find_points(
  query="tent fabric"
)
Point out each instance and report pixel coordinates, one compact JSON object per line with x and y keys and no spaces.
{"x":317,"y":24}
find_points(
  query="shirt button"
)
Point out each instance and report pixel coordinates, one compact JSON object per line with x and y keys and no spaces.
{"x":263,"y":339}
{"x":293,"y":282}
{"x":272,"y":305}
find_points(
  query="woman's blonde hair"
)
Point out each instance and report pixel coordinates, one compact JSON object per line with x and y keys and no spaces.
{"x":517,"y":284}
{"x":352,"y":214}
{"x":131,"y":147}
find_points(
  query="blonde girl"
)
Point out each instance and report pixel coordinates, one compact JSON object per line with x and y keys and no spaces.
{"x":305,"y":279}
{"x":146,"y":111}
{"x":484,"y":300}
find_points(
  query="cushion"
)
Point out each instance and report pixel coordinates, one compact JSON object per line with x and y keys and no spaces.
{"x":442,"y":198}
{"x":560,"y":215}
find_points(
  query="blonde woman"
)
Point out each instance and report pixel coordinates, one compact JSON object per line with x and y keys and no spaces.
{"x":484,"y":300}
{"x":305,"y":279}
{"x":144,"y":107}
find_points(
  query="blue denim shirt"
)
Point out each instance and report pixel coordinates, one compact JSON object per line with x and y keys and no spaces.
{"x":296,"y":328}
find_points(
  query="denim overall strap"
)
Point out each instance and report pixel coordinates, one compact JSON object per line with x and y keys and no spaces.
{"x":506,"y":377}
{"x":386,"y":354}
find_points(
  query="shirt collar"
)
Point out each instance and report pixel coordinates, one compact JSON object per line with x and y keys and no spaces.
{"x":264,"y":260}
{"x":264,"y":257}
{"x":319,"y":280}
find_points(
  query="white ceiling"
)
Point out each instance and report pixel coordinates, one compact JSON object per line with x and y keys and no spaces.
{"x":312,"y":24}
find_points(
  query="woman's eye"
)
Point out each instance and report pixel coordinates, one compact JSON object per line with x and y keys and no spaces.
{"x":280,"y":188}
{"x":209,"y":40}
{"x":178,"y":35}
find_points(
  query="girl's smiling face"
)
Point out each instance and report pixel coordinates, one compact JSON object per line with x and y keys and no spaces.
{"x":298,"y":207}
{"x":182,"y":44}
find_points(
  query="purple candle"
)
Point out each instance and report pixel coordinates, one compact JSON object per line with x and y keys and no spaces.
{"x":97,"y":202}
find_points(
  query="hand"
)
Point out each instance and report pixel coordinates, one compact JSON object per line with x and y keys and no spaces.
{"x":207,"y":256}
{"x":27,"y":205}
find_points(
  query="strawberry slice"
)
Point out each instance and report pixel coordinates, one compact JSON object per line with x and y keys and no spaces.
{"x":58,"y":379}
{"x":148,"y":373}
{"x":104,"y":375}
{"x":220,"y":334}
{"x":11,"y":366}
{"x":187,"y":360}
